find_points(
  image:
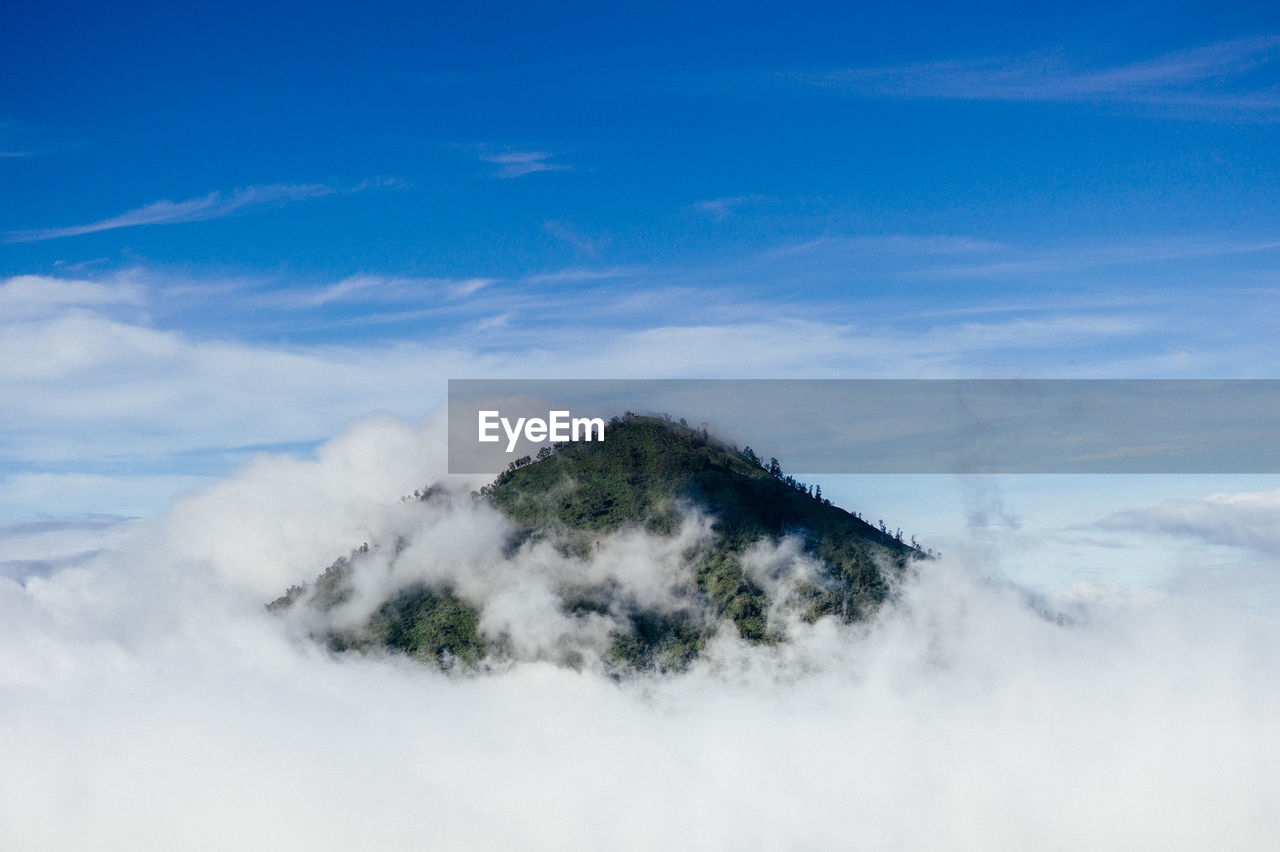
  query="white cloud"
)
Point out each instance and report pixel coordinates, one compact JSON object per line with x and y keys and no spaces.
{"x":1016,"y":262}
{"x":514,"y":164}
{"x":379,"y":288}
{"x":1249,"y":520}
{"x":84,"y":388}
{"x":104,"y":388}
{"x":280,"y":519}
{"x":1212,"y":79}
{"x":496,"y":321}
{"x":215,"y":205}
{"x":156,"y":704}
{"x":580,"y":275}
{"x":26,"y":296}
{"x":571,"y":236}
{"x":470,"y":286}
{"x":721,"y":208}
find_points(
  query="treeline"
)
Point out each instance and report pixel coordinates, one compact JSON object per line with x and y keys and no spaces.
{"x":774,"y":469}
{"x":701,"y":435}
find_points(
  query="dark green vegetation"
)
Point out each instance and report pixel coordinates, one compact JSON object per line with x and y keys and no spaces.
{"x":434,"y":625}
{"x":647,"y":473}
{"x":646,"y":465}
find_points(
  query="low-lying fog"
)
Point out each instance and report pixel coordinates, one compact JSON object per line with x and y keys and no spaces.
{"x":150,"y":701}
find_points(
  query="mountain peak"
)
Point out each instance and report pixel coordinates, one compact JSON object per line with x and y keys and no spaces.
{"x":647,"y":478}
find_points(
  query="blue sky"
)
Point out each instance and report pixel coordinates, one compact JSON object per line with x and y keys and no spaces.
{"x":232,"y":229}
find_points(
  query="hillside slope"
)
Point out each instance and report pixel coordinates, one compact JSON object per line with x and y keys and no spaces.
{"x":649,"y":474}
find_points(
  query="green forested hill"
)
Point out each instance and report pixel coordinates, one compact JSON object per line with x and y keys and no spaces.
{"x":645,"y":473}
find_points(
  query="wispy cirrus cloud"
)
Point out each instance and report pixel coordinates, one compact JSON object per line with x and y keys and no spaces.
{"x":1015,"y":262}
{"x":580,"y":275}
{"x":573,"y":237}
{"x":1221,"y":77}
{"x":381,"y":288}
{"x":720,"y":209}
{"x":924,"y":245}
{"x":215,"y":205}
{"x":514,"y":164}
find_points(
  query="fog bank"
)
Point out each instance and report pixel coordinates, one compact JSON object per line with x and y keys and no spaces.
{"x":153,"y":703}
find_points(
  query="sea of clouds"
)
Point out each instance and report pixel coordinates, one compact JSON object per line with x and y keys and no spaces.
{"x":150,"y":701}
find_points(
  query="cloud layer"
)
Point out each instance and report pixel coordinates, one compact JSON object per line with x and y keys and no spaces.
{"x":155,"y":704}
{"x":142,"y":376}
{"x":1249,"y":520}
